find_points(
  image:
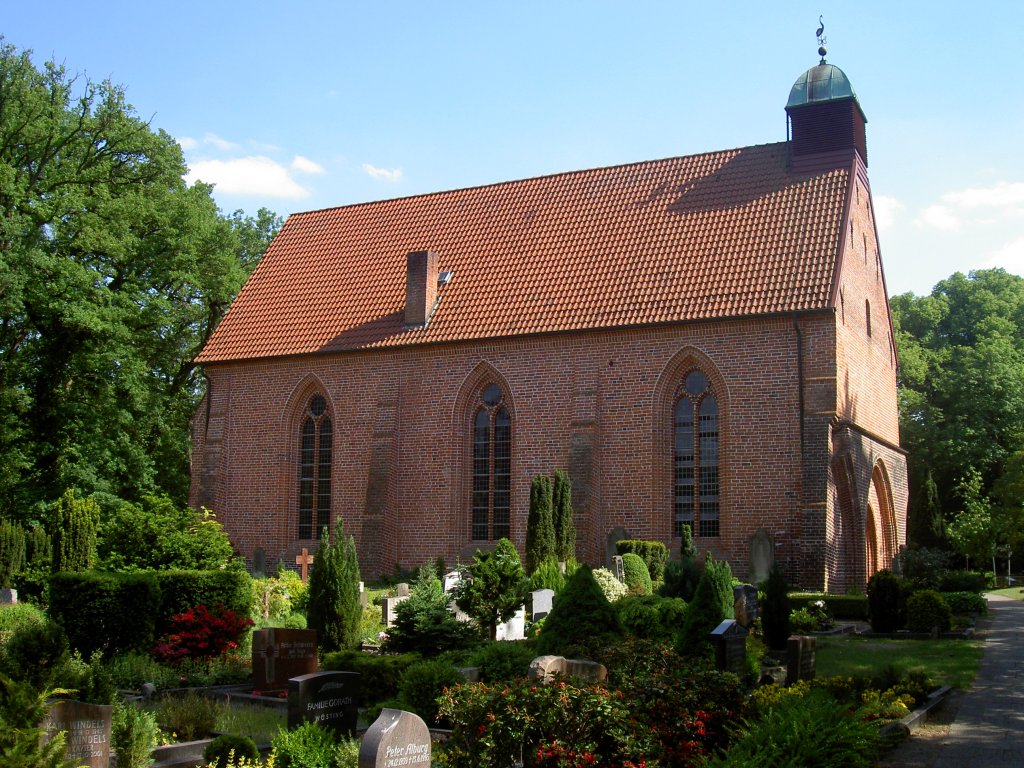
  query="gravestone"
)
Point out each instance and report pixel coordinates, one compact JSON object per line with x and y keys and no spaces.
{"x":88,"y":727}
{"x":395,"y":740}
{"x":744,"y":604}
{"x":8,"y":596}
{"x":259,"y":562}
{"x":800,"y":659}
{"x":328,"y":698}
{"x":546,"y":668}
{"x":611,"y":549}
{"x":402,"y":589}
{"x":730,"y":641}
{"x":618,"y":569}
{"x":304,"y":560}
{"x":762,"y":555}
{"x":514,"y":628}
{"x":280,"y":654}
{"x":387,"y":609}
{"x":540,"y":603}
{"x":451,"y":580}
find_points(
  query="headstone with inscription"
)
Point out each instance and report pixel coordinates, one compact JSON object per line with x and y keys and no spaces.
{"x":744,"y":604}
{"x":540,"y":603}
{"x":800,"y":661}
{"x":762,"y":555}
{"x":328,"y":698}
{"x":88,"y":731}
{"x":395,"y":740}
{"x":730,"y":641}
{"x":280,"y":654}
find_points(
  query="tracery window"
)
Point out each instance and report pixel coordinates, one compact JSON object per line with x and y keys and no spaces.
{"x":492,"y":466}
{"x":695,"y":458}
{"x":315,"y":437}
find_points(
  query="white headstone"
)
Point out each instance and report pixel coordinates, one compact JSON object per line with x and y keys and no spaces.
{"x":540,"y":605}
{"x":514,"y":628}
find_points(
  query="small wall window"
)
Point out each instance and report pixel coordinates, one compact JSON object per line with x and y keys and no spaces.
{"x":492,"y":467}
{"x":315,"y":439}
{"x":867,"y":316}
{"x":696,"y":500}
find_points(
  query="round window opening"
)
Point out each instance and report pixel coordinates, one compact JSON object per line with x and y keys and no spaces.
{"x":492,"y":395}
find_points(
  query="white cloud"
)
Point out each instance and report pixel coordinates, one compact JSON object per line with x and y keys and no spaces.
{"x":940,"y":217}
{"x":222,"y":144}
{"x":1002,"y":196}
{"x":255,"y":175}
{"x":187,"y":143}
{"x":302,"y":164}
{"x":1010,"y":257}
{"x":382,"y":173}
{"x":887,"y":210}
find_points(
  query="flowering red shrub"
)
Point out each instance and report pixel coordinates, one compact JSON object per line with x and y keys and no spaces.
{"x":199,"y":633}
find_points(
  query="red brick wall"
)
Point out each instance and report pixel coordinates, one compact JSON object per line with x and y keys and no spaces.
{"x":598,"y":404}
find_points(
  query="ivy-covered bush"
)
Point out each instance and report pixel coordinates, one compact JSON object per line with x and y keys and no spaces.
{"x":610,"y":587}
{"x":651,"y":617}
{"x":638,"y":578}
{"x":886,"y":601}
{"x":580,"y":619}
{"x":653,"y":553}
{"x":926,"y":609}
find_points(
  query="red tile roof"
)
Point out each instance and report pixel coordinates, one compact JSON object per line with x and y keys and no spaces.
{"x":722,"y":234}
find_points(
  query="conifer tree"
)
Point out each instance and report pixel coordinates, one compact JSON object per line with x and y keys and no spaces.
{"x":540,"y":528}
{"x":565,"y":528}
{"x":334,"y":609}
{"x":74,"y":533}
{"x":712,"y":603}
{"x":496,"y":586}
{"x":12,"y":551}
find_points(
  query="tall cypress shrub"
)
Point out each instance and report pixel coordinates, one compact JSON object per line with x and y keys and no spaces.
{"x":12,"y":551}
{"x":334,"y":610}
{"x":540,"y":528}
{"x":775,"y":611}
{"x":74,"y":533}
{"x":565,"y":527}
{"x":712,"y":603}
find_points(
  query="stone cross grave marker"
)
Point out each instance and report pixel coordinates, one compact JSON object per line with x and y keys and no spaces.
{"x":730,"y":641}
{"x":328,"y":698}
{"x":744,"y":604}
{"x":395,"y":740}
{"x":88,"y":727}
{"x":280,"y":654}
{"x":304,"y":560}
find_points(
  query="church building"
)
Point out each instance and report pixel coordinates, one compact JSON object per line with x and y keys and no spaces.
{"x":700,"y":341}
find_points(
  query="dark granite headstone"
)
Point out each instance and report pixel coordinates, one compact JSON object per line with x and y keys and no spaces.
{"x":762,"y":555}
{"x":730,"y":641}
{"x":800,"y":661}
{"x":395,"y":740}
{"x":744,"y":604}
{"x":279,"y":654}
{"x":328,"y":698}
{"x":88,"y":727}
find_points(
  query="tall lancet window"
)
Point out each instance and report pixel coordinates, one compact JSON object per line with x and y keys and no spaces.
{"x":695,"y":458}
{"x":315,"y":469}
{"x":492,"y":466}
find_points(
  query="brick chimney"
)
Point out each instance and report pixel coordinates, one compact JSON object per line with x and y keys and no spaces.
{"x":420,"y":287}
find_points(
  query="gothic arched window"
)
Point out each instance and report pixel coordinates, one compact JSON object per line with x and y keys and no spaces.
{"x":695,"y":458}
{"x":315,"y":469}
{"x":492,"y":466}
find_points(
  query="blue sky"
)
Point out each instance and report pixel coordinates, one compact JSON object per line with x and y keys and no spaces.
{"x":304,"y":105}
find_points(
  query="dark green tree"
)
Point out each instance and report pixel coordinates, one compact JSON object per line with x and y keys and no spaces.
{"x":712,"y":604}
{"x":565,"y":527}
{"x":581,"y":618}
{"x":495,"y":587}
{"x":540,"y":529}
{"x":423,"y":622}
{"x":334,"y":610}
{"x":114,"y":272}
{"x":73,"y":532}
{"x":12,"y":551}
{"x":776,"y":609}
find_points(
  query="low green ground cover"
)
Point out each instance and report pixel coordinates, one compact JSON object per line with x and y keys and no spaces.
{"x":950,"y":662}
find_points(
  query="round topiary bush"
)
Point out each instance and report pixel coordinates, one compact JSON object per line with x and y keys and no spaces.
{"x":926,"y":610}
{"x":229,"y":747}
{"x":638,"y":578}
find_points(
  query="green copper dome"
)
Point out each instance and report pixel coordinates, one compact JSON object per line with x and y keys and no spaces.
{"x":824,"y":82}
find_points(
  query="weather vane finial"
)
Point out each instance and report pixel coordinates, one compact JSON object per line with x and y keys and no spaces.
{"x":821,"y":39}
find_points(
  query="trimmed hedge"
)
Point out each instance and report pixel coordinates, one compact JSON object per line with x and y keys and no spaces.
{"x":181,"y":590}
{"x":963,"y":603}
{"x":842,"y":607}
{"x":105,"y":612}
{"x":653,"y":553}
{"x":380,"y":675}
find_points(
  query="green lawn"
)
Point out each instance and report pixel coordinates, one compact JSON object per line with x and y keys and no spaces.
{"x":1015,"y":592}
{"x":948,"y":662}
